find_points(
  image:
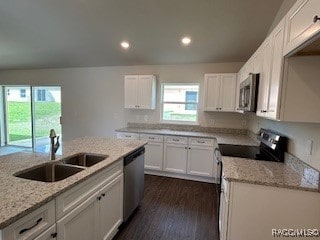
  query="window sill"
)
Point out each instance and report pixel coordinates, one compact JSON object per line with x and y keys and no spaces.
{"x":180,"y":123}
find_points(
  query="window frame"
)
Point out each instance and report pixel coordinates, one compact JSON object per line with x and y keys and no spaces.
{"x":177,"y":121}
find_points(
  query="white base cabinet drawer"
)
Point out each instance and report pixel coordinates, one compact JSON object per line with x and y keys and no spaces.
{"x":176,"y":140}
{"x":49,"y":234}
{"x":127,"y":135}
{"x":32,"y":225}
{"x":201,"y":142}
{"x":151,"y":137}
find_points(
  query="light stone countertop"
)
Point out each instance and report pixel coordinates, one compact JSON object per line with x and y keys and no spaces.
{"x":222,"y":138}
{"x":268,"y":173}
{"x":18,"y":196}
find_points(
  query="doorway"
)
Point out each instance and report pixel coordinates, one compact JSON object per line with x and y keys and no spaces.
{"x":29,"y":114}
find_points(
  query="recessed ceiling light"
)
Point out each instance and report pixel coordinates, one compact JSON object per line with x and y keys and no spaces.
{"x":186,"y":41}
{"x":125,"y":45}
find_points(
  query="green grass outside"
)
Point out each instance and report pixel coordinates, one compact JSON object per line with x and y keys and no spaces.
{"x":47,"y":116}
{"x":170,"y":115}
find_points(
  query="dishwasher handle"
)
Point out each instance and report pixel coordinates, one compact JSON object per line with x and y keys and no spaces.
{"x":132,"y":156}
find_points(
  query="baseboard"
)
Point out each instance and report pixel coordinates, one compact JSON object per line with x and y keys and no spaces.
{"x":181,"y":176}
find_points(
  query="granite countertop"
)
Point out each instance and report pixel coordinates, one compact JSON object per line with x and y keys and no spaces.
{"x":222,"y":138}
{"x":270,"y":174}
{"x":18,"y":196}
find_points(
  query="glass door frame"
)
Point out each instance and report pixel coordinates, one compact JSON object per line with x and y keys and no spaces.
{"x":4,"y":123}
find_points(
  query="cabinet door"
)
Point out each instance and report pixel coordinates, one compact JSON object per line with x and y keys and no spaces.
{"x":111,"y":208}
{"x":131,"y":91}
{"x":153,"y":156}
{"x":264,"y":80}
{"x":276,"y":71}
{"x":146,"y":92}
{"x":49,"y":234}
{"x":212,"y":85}
{"x":228,"y":92}
{"x":200,"y":161}
{"x":300,"y":25}
{"x":82,"y":222}
{"x":175,"y":158}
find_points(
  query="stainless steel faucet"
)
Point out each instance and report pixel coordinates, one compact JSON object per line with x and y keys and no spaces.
{"x":53,"y":146}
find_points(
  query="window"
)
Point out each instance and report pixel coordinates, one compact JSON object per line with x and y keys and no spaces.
{"x":180,"y":103}
{"x":23,"y":93}
{"x":41,"y":95}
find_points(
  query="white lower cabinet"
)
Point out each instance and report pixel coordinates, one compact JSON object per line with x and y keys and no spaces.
{"x":111,"y":208}
{"x":175,"y":157}
{"x":153,"y":151}
{"x":99,"y":215}
{"x":49,"y":234}
{"x":200,"y":157}
{"x":251,"y":211}
{"x":32,"y":226}
{"x":82,"y":222}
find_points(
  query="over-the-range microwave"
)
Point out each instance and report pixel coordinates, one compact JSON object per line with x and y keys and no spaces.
{"x":248,"y":93}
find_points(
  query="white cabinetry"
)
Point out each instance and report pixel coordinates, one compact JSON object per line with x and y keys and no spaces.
{"x":127,"y":135}
{"x":140,"y":91}
{"x":251,"y":202}
{"x":153,"y":151}
{"x":200,"y":157}
{"x":49,"y":234}
{"x":220,"y":92}
{"x":301,"y":25}
{"x":92,"y":209}
{"x":175,"y":154}
{"x":271,"y":74}
{"x":32,"y":226}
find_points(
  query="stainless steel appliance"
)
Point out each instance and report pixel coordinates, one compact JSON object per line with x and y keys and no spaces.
{"x":248,"y":93}
{"x":133,"y":182}
{"x":272,"y":148}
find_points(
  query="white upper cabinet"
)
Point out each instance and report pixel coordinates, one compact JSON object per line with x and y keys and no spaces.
{"x":140,"y":91}
{"x":276,"y":71}
{"x":220,"y":92}
{"x":271,"y":74}
{"x":302,"y":24}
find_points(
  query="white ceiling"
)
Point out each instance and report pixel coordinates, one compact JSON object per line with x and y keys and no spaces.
{"x":74,"y":33}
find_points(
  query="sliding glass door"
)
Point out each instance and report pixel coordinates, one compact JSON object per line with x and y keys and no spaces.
{"x":30,"y":113}
{"x":47,"y":113}
{"x":18,"y":116}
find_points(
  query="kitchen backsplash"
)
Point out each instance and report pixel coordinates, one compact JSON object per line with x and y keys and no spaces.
{"x":192,"y":128}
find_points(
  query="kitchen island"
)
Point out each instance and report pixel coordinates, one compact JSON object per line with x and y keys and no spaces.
{"x":19,"y":196}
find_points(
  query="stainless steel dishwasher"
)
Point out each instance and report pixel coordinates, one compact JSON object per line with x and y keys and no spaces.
{"x":133,"y":182}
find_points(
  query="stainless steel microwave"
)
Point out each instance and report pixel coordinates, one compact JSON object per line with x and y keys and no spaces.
{"x":249,"y":93}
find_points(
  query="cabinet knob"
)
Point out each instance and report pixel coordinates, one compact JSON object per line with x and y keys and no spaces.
{"x":99,"y":198}
{"x":103,"y":194}
{"x":54,"y":235}
{"x":316,"y":18}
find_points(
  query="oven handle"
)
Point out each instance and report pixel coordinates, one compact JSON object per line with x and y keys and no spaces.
{"x":217,"y":156}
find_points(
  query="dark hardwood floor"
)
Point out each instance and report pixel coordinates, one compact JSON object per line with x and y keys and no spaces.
{"x":173,"y":209}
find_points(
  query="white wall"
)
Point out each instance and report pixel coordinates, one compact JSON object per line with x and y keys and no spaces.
{"x":298,"y":134}
{"x":93,"y":98}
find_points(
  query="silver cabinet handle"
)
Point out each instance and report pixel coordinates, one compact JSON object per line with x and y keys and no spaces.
{"x":175,"y":140}
{"x":201,"y":141}
{"x":151,"y":137}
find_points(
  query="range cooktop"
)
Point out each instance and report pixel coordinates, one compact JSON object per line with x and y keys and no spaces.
{"x":272,"y":148}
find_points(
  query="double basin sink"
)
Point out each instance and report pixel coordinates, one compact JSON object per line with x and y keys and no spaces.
{"x":59,"y":170}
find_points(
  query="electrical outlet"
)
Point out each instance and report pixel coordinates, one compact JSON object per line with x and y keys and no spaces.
{"x":212,"y":122}
{"x":309,"y":144}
